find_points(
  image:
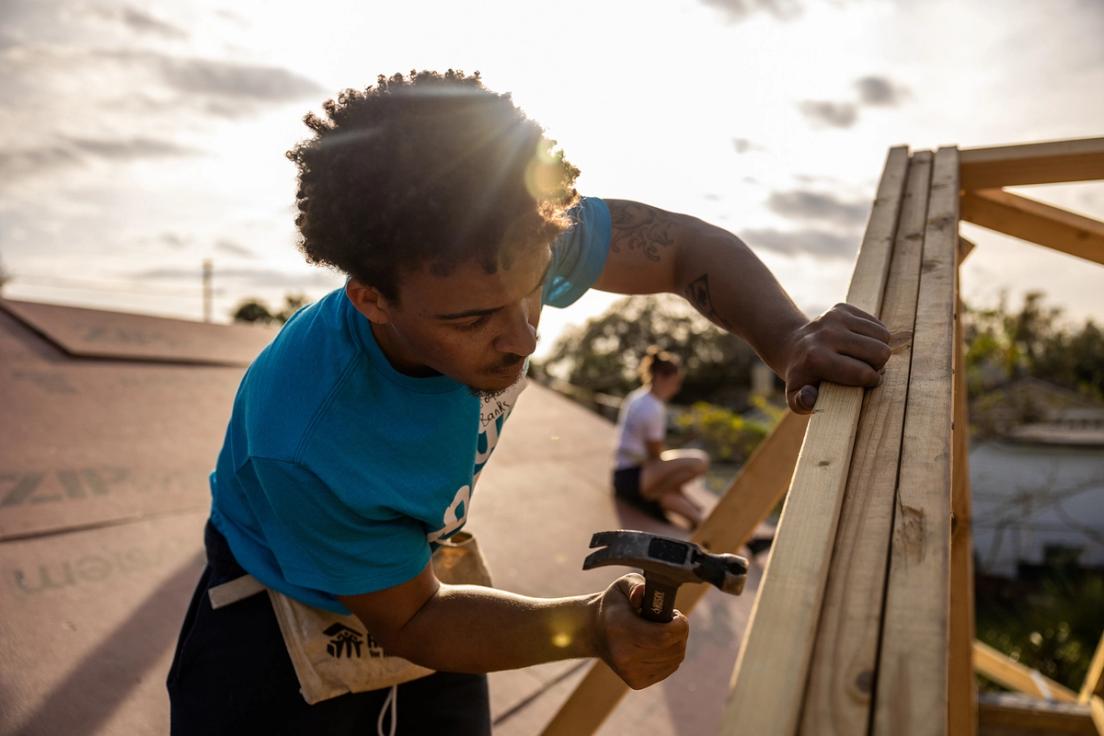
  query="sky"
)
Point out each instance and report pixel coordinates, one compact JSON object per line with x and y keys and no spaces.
{"x":142,"y":139}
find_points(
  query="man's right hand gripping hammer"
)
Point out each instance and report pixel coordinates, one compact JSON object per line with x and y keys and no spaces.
{"x":644,"y":637}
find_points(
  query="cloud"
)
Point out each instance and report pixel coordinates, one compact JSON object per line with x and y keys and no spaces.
{"x":232,"y":17}
{"x":201,"y":80}
{"x":174,"y":240}
{"x":225,"y":79}
{"x":127,"y":149}
{"x":880,"y":91}
{"x":834,"y":114}
{"x":873,"y":90}
{"x":229,"y":246}
{"x":738,"y":10}
{"x":19,"y":162}
{"x":743,"y":145}
{"x":219,"y":79}
{"x":809,"y":241}
{"x":140,"y":21}
{"x":72,"y":151}
{"x":805,"y":204}
{"x":145,"y":23}
{"x":8,"y":39}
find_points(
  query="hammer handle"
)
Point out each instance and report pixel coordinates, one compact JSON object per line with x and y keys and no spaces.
{"x":659,"y":600}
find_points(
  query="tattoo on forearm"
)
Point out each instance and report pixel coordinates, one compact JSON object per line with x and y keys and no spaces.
{"x":697,"y":291}
{"x":639,"y":228}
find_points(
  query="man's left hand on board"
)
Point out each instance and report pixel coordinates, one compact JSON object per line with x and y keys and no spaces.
{"x":844,"y":345}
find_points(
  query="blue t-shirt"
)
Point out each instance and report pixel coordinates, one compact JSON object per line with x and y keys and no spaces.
{"x":338,"y":473}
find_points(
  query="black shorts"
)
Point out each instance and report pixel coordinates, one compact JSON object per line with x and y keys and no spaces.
{"x":231,"y":674}
{"x":626,"y":486}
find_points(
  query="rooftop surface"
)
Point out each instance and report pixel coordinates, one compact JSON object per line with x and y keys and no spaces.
{"x":111,"y":425}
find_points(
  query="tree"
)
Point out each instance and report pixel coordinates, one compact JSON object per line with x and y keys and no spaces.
{"x":252,"y":310}
{"x":1005,"y":345}
{"x":1051,"y":623}
{"x":603,"y":354}
{"x":255,"y":310}
{"x":292,"y":304}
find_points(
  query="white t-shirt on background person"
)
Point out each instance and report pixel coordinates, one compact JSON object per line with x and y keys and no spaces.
{"x":642,"y":419}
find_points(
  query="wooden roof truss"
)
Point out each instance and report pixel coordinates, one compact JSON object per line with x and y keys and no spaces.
{"x":864,"y":620}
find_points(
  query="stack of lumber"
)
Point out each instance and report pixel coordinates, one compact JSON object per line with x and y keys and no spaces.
{"x":850,"y":633}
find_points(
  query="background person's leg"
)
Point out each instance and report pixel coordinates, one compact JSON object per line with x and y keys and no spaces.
{"x":669,"y":473}
{"x":662,"y":480}
{"x":680,"y":503}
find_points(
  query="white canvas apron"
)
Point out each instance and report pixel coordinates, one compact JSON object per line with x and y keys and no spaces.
{"x":332,"y":653}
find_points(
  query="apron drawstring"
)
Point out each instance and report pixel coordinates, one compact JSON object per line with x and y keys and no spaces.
{"x":390,"y":703}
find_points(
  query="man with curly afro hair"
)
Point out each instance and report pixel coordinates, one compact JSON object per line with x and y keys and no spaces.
{"x":357,"y":436}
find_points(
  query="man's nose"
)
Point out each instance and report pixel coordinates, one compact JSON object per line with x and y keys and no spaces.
{"x":520,"y":337}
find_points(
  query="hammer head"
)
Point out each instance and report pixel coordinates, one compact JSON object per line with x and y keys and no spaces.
{"x":672,"y":560}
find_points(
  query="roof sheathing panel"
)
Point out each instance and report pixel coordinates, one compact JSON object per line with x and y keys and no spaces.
{"x":94,"y":333}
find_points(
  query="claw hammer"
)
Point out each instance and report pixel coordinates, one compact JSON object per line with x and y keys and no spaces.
{"x":666,"y":563}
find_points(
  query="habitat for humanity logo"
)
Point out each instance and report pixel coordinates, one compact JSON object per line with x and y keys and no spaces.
{"x":343,"y":641}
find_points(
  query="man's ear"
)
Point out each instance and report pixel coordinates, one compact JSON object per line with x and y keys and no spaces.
{"x":368,"y":301}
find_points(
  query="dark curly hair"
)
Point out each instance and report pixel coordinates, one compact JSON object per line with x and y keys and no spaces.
{"x":431,"y":169}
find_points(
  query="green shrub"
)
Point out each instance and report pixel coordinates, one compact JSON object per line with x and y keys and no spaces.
{"x":724,"y":434}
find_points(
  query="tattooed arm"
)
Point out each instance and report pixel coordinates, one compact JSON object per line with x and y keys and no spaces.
{"x":653,"y":251}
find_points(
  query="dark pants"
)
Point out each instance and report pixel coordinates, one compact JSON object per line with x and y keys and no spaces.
{"x":626,"y":486}
{"x":231,"y":674}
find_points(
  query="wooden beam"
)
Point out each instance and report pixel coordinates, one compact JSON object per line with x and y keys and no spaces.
{"x":1006,"y":671}
{"x":1032,"y":163}
{"x":965,"y":248}
{"x":1035,"y":222}
{"x":761,"y":484}
{"x":961,"y":684}
{"x":1094,"y":678}
{"x":1010,"y":714}
{"x":841,"y":677}
{"x":773,"y":663}
{"x":912,"y":670}
{"x":1096,"y":710}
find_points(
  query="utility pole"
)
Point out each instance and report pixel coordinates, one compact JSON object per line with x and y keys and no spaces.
{"x":208,"y":273}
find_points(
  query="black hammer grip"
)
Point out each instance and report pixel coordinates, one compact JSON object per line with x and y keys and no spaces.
{"x":659,"y":600}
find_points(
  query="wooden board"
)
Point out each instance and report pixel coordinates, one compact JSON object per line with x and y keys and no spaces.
{"x":965,"y":248}
{"x":96,"y":333}
{"x":1009,"y":714}
{"x":841,"y":678}
{"x":961,"y":684}
{"x":912,"y":669}
{"x":762,"y":482}
{"x":1094,"y":678}
{"x":1005,"y":671}
{"x":776,"y":652}
{"x":1096,"y":710}
{"x":1036,"y":222}
{"x":1032,"y":163}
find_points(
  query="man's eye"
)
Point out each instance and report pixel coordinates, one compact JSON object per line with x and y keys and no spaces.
{"x":474,"y":324}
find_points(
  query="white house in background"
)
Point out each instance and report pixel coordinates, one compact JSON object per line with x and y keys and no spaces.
{"x":1040,"y":486}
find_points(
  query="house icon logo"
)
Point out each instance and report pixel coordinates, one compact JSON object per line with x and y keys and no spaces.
{"x":343,"y":641}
